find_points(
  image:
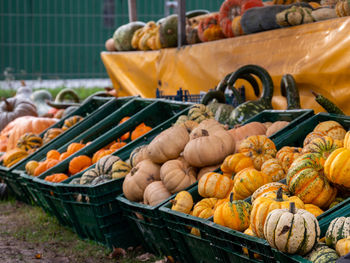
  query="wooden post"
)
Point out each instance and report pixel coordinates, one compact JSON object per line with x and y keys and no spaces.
{"x":132,"y":10}
{"x":181,"y":23}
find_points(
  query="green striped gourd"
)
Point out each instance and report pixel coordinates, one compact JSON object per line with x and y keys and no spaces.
{"x":294,"y":231}
{"x":199,"y":112}
{"x":322,"y":254}
{"x":101,"y":179}
{"x":338,"y":229}
{"x":120,"y":169}
{"x":88,"y":176}
{"x":29,"y":141}
{"x":105,"y":164}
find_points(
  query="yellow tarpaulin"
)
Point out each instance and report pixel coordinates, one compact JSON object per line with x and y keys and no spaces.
{"x":317,"y":55}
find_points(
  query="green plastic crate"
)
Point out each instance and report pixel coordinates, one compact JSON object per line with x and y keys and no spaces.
{"x":88,"y":110}
{"x":94,"y":220}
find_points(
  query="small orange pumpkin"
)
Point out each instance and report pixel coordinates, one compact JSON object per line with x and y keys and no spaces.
{"x":139,"y":131}
{"x":79,"y":163}
{"x":74,"y":147}
{"x":53,"y":154}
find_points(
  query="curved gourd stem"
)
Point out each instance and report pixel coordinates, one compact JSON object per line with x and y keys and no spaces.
{"x":231,"y":197}
{"x":9,"y":107}
{"x":292,"y":207}
{"x":67,"y":92}
{"x":224,"y":83}
{"x":279,"y":195}
{"x":214,"y":94}
{"x":290,"y":90}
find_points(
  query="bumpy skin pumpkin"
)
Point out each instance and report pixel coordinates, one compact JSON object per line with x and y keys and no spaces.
{"x":155,"y":193}
{"x":51,"y":134}
{"x":31,"y":166}
{"x":205,"y":208}
{"x":247,"y":181}
{"x":286,"y":156}
{"x":168,"y":144}
{"x":338,"y":229}
{"x":182,"y":202}
{"x":315,"y":210}
{"x":322,"y":254}
{"x":273,"y":168}
{"x":71,"y":121}
{"x":337,"y":168}
{"x":313,"y":135}
{"x":235,"y":163}
{"x":214,"y":185}
{"x":209,"y":150}
{"x":105,"y":164}
{"x":120,"y":169}
{"x":228,"y":10}
{"x":13,"y":156}
{"x":177,"y":175}
{"x":199,"y":112}
{"x":29,"y":141}
{"x":139,"y":177}
{"x":209,"y":29}
{"x":259,"y":148}
{"x":268,"y":188}
{"x":99,"y":154}
{"x":88,"y":176}
{"x":305,"y":180}
{"x":233,"y":214}
{"x":293,"y":231}
{"x":266,"y":203}
{"x":343,"y":246}
{"x":332,"y":128}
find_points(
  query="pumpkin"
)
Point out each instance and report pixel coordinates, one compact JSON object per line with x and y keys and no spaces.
{"x":139,"y":131}
{"x":259,"y":148}
{"x":71,"y":121}
{"x":305,"y":180}
{"x":199,"y":112}
{"x":101,"y":179}
{"x":168,"y":144}
{"x":313,"y":135}
{"x":209,"y":150}
{"x":206,"y":169}
{"x":15,"y":107}
{"x":155,"y":193}
{"x":79,"y":163}
{"x":347,"y":140}
{"x":58,"y":114}
{"x":44,"y":166}
{"x":56,"y":178}
{"x":205,"y":208}
{"x":27,"y":124}
{"x":342,"y":8}
{"x":268,"y":188}
{"x":190,"y":125}
{"x":286,"y":156}
{"x":29,"y":141}
{"x":233,"y":214}
{"x":296,"y":15}
{"x":247,"y":181}
{"x":228,"y":10}
{"x":214,"y":185}
{"x":63,"y":156}
{"x":332,"y":129}
{"x":177,"y":175}
{"x":266,"y":203}
{"x":324,"y":146}
{"x":31,"y":166}
{"x":337,"y":168}
{"x":51,"y":134}
{"x":242,"y":132}
{"x":125,"y":136}
{"x":74,"y":147}
{"x":101,"y":153}
{"x":205,"y":128}
{"x":182,"y":202}
{"x":338,"y":229}
{"x":53,"y":154}
{"x":209,"y":29}
{"x":343,"y":246}
{"x":88,"y":176}
{"x":181,"y":119}
{"x":117,"y":145}
{"x":235,"y":163}
{"x":13,"y":156}
{"x":135,"y":182}
{"x":138,"y":154}
{"x":315,"y":210}
{"x":294,"y":231}
{"x":275,"y":127}
{"x":273,"y":168}
{"x":322,"y":254}
{"x":120,"y":169}
{"x":105,"y":164}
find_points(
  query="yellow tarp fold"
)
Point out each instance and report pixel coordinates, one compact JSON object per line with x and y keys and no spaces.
{"x":317,"y":55}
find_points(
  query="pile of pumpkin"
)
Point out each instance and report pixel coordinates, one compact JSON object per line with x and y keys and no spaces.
{"x":315,"y":175}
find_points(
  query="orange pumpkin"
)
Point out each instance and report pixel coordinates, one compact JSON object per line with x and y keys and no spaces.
{"x":53,"y":154}
{"x":44,"y":166}
{"x":139,"y":131}
{"x":79,"y":163}
{"x":126,"y":135}
{"x":56,"y":178}
{"x":64,"y":156}
{"x":74,"y":147}
{"x":99,"y":154}
{"x":117,"y":145}
{"x":209,"y":29}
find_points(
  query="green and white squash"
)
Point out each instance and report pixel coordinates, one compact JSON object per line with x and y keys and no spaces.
{"x":75,"y":181}
{"x":88,"y":176}
{"x":322,"y":254}
{"x":294,"y":231}
{"x":105,"y":164}
{"x":338,"y":229}
{"x":199,"y":112}
{"x":120,"y":169}
{"x":123,"y":35}
{"x":101,"y":179}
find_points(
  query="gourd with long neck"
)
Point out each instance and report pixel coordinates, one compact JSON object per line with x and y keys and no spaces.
{"x":290,"y":90}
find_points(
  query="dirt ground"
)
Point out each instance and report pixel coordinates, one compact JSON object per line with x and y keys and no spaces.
{"x":28,"y":235}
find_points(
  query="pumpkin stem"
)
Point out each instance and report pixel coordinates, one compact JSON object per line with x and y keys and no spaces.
{"x":292,"y":207}
{"x":173,"y":202}
{"x":231,"y":197}
{"x":8,"y":105}
{"x":205,"y":133}
{"x":133,"y":171}
{"x":279,"y":195}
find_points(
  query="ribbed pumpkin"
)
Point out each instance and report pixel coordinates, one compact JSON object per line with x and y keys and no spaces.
{"x":305,"y":180}
{"x":235,"y":163}
{"x":259,"y":148}
{"x":206,"y":169}
{"x":315,"y":210}
{"x":209,"y":29}
{"x":286,"y":156}
{"x":51,"y":134}
{"x":332,"y":128}
{"x":88,"y":176}
{"x":177,"y":175}
{"x":74,"y":147}
{"x":13,"y":156}
{"x":338,"y":229}
{"x":53,"y":154}
{"x":182,"y":202}
{"x":233,"y":214}
{"x":273,"y":168}
{"x":343,"y":246}
{"x":168,"y":144}
{"x":100,"y":179}
{"x":31,"y":166}
{"x":105,"y":164}
{"x":293,"y":231}
{"x":247,"y":181}
{"x":117,"y":145}
{"x":322,"y":254}
{"x":268,"y":188}
{"x":138,"y":154}
{"x":68,"y":123}
{"x":155,"y":193}
{"x":337,"y":168}
{"x":120,"y":169}
{"x":228,"y":10}
{"x":29,"y":141}
{"x":263,"y":205}
{"x":199,"y":112}
{"x":205,"y":208}
{"x":214,"y":185}
{"x":324,"y":146}
{"x":313,"y":135}
{"x":79,"y":163}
